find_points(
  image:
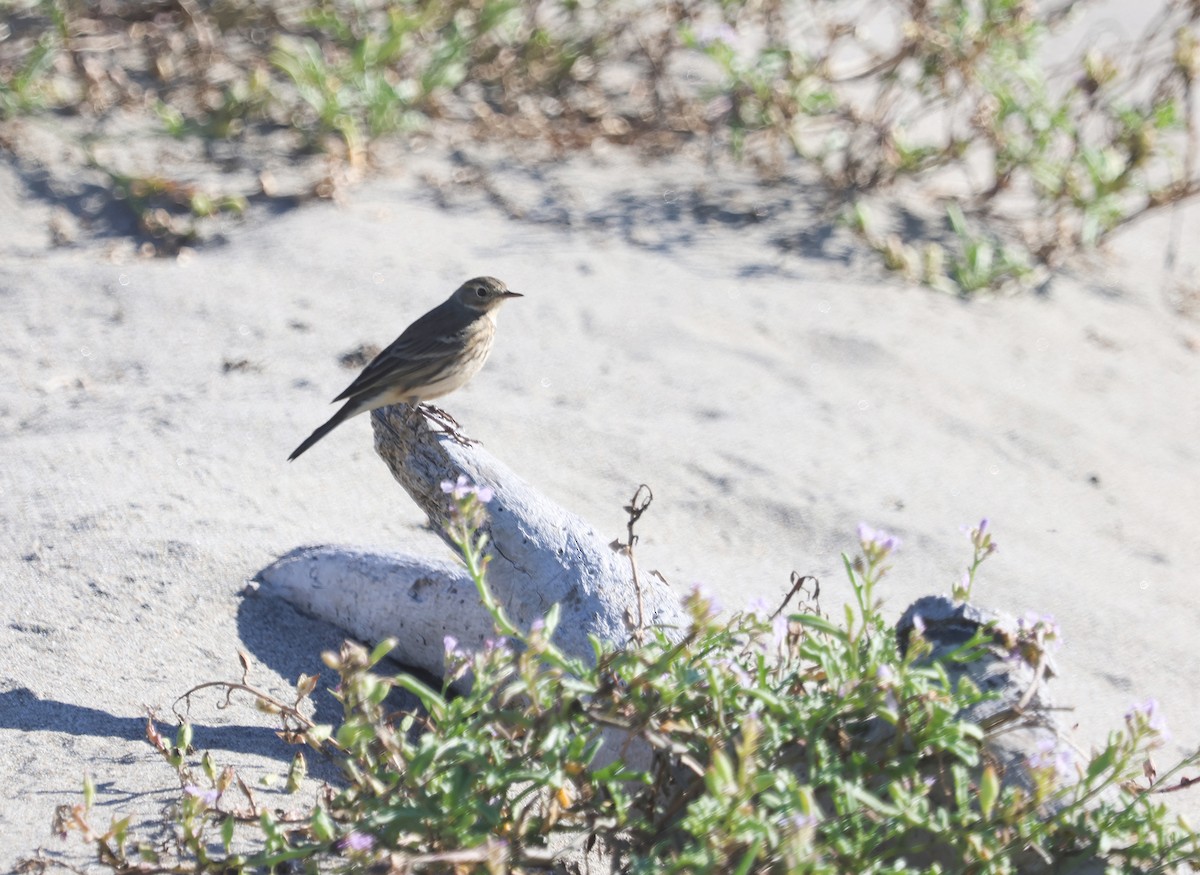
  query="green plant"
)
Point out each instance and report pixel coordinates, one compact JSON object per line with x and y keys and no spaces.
{"x":168,"y":211}
{"x":770,"y":742}
{"x":26,"y":81}
{"x":981,"y":263}
{"x":948,"y":95}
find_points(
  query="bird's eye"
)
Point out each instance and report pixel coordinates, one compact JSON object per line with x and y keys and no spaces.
{"x":481,"y":291}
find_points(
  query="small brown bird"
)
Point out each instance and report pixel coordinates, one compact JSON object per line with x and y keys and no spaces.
{"x":433,"y":357}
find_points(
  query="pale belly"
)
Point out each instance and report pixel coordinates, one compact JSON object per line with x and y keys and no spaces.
{"x":436,"y":389}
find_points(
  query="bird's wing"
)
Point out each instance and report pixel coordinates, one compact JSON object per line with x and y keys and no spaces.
{"x":418,"y":352}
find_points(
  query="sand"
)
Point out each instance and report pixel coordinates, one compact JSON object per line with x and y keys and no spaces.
{"x":715,"y":340}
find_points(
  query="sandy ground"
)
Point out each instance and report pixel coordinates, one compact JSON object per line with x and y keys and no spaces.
{"x":725,"y":347}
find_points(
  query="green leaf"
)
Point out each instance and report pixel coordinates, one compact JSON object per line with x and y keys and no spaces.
{"x":551,"y":620}
{"x":209,"y":766}
{"x":297,"y":772}
{"x":989,"y":791}
{"x":869,"y":799}
{"x":1101,"y":762}
{"x":322,"y":826}
{"x":382,"y":649}
{"x":430,"y":698}
{"x":820,"y":624}
{"x":183,"y":738}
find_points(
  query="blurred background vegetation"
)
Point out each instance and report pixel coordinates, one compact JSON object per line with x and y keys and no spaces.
{"x":1024,"y":160}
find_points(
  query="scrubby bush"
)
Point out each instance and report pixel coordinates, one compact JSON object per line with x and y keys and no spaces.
{"x":772,"y":741}
{"x":1033,"y":160}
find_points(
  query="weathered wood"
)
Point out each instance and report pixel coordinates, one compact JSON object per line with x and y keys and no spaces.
{"x":377,"y":595}
{"x":541,"y":555}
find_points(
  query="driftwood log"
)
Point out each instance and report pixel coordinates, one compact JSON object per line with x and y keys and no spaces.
{"x":541,"y":555}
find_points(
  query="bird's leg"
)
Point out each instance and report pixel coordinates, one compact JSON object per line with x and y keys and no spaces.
{"x":446,"y":423}
{"x":441,"y":415}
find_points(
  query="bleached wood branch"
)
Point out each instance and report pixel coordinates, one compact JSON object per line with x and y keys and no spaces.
{"x":541,"y":555}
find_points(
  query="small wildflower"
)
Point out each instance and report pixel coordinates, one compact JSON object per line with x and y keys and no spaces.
{"x":804,"y":821}
{"x":702,"y":598}
{"x":463,"y":488}
{"x":721,"y":33}
{"x":1148,"y":715}
{"x":760,"y":608}
{"x":499,"y":645}
{"x":779,"y":631}
{"x":1041,"y":630}
{"x":1052,"y":755}
{"x":877,"y":540}
{"x":984,"y":546}
{"x":356,"y":841}
{"x":208,"y":797}
{"x":1043,"y":624}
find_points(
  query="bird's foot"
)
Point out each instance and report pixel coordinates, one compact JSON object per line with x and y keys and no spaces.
{"x":439,"y":416}
{"x":447,"y":424}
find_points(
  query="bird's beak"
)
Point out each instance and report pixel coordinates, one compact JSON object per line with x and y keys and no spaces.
{"x":511,"y":294}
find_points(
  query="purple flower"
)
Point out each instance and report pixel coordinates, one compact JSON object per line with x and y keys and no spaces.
{"x":356,"y":841}
{"x":1051,"y":755}
{"x":980,"y":538}
{"x":463,"y":488}
{"x":208,"y":797}
{"x":495,"y":644}
{"x":760,"y":607}
{"x":877,"y":539}
{"x":1148,"y":714}
{"x":804,"y":821}
{"x":779,"y":631}
{"x":721,"y":33}
{"x":1040,"y":627}
{"x":703,"y":595}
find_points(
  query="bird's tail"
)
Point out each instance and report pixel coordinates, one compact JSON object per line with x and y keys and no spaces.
{"x":337,"y":419}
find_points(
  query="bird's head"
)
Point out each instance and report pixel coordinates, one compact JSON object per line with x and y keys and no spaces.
{"x":484,"y":293}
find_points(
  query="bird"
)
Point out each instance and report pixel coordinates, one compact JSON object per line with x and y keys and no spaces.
{"x":434,"y":355}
